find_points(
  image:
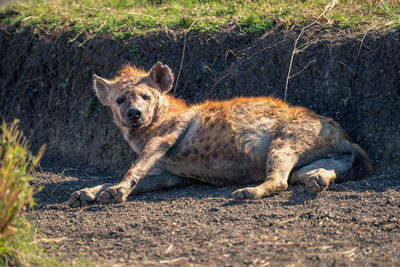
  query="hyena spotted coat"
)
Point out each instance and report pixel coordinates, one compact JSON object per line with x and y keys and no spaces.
{"x":239,"y":141}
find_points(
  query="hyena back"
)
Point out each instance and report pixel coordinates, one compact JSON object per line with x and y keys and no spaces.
{"x":239,"y":141}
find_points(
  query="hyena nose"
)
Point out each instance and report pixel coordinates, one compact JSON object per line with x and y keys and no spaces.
{"x":133,"y":114}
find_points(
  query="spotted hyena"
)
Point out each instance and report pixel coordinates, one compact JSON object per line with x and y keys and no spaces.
{"x":239,"y":141}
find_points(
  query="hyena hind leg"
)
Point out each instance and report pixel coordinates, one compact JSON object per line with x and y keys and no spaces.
{"x":317,"y":175}
{"x":280,"y":161}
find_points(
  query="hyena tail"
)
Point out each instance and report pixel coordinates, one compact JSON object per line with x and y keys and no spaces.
{"x":361,"y":168}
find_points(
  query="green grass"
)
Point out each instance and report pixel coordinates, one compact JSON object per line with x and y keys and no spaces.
{"x":23,"y":249}
{"x":121,"y":17}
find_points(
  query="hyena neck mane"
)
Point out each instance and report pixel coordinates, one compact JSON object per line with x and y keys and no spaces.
{"x":130,"y":70}
{"x":171,"y":105}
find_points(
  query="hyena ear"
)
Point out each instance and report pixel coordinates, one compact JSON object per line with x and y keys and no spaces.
{"x":101,"y":87}
{"x":162,"y":75}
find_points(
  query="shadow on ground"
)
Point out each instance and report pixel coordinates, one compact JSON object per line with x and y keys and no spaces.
{"x":59,"y":183}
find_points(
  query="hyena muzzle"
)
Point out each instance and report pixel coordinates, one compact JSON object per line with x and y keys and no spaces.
{"x":239,"y":141}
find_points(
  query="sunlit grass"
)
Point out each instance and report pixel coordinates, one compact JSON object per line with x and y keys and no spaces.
{"x":121,"y":17}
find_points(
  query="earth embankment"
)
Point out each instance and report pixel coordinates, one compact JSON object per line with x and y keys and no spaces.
{"x":46,"y":82}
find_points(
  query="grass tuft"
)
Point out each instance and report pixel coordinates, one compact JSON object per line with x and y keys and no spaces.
{"x":16,"y":165}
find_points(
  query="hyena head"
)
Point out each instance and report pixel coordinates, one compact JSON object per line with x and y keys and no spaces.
{"x":134,"y":96}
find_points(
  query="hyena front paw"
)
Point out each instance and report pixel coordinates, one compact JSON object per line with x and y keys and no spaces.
{"x":83,"y":197}
{"x":248,"y":192}
{"x":317,"y":183}
{"x":114,"y":194}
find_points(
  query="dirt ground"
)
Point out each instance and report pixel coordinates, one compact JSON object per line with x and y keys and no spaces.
{"x":352,"y":224}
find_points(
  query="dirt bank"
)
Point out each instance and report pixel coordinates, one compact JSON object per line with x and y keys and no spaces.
{"x":46,"y":82}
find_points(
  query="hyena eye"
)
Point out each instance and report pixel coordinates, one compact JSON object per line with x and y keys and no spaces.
{"x":120,"y":100}
{"x":146,"y":97}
